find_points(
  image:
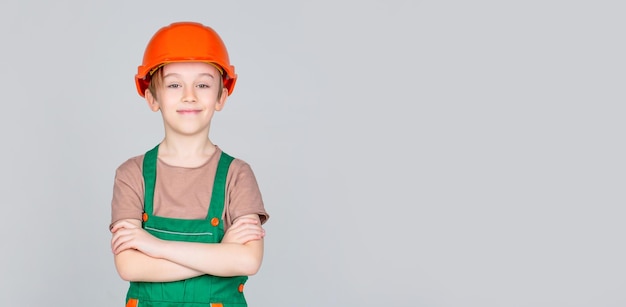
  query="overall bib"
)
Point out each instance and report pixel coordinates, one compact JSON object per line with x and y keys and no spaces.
{"x":200,"y":291}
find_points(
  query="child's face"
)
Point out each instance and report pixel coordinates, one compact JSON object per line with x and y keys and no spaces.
{"x":188,"y":97}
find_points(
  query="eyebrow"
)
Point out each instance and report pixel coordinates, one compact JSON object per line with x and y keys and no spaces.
{"x":177,"y":74}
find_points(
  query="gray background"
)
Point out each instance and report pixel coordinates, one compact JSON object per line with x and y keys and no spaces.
{"x":410,"y":153}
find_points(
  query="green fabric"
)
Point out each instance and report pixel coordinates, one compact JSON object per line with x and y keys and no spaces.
{"x":199,"y":291}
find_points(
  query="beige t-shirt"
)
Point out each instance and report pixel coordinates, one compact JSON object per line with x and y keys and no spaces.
{"x":185,"y":193}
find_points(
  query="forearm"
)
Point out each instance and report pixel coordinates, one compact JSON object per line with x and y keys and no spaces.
{"x":139,"y":256}
{"x":221,"y":259}
{"x":133,"y":265}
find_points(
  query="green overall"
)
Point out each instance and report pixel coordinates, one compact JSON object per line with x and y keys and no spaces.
{"x":201,"y":291}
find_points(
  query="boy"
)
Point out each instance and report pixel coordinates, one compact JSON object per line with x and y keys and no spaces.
{"x":191,"y":235}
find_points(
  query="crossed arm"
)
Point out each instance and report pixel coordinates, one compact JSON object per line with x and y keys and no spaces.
{"x":139,"y":256}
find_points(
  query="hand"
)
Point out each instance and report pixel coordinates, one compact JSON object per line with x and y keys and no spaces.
{"x":244,"y":229}
{"x":129,"y":235}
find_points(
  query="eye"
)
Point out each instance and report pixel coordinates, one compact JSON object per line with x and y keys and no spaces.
{"x":202,"y":85}
{"x":173,"y":85}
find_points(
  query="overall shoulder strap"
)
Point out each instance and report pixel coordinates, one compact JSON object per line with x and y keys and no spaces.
{"x":216,"y":207}
{"x":149,"y":178}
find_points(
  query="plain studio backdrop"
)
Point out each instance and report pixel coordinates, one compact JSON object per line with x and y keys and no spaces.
{"x":410,"y":153}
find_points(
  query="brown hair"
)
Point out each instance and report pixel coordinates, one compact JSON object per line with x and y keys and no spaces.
{"x":156,"y":81}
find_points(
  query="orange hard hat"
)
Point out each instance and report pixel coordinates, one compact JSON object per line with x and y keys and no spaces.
{"x":185,"y":42}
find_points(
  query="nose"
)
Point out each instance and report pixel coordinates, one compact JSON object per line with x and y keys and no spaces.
{"x":189,"y":95}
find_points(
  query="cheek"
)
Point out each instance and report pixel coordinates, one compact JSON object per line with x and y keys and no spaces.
{"x":169,"y":97}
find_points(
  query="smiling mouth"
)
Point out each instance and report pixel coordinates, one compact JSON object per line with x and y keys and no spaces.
{"x":188,"y":111}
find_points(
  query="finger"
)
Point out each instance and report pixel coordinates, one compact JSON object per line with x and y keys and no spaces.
{"x":120,"y":225}
{"x":245,"y":220}
{"x":247,"y":227}
{"x":250,"y":233}
{"x":114,"y":239}
{"x":117,"y":226}
{"x":120,"y":248}
{"x":117,"y":241}
{"x":121,"y":237}
{"x":123,"y":244}
{"x":250,"y":237}
{"x":246,"y":223}
{"x":119,"y":233}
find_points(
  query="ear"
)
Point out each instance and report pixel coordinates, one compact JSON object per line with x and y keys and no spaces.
{"x":222,"y":101}
{"x":153,"y":104}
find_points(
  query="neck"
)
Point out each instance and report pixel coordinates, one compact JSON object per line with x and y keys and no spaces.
{"x":186,"y":151}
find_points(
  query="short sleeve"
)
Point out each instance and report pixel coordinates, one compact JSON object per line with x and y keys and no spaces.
{"x":128,"y":191}
{"x":244,"y":195}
